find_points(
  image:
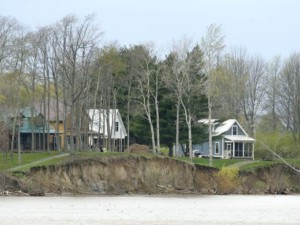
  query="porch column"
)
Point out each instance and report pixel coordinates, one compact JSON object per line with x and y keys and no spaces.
{"x":223,"y":148}
{"x":233,"y":149}
{"x":253,"y":151}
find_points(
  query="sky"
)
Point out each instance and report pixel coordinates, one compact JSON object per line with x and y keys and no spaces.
{"x":263,"y":27}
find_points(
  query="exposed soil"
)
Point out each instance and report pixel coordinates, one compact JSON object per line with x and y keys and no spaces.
{"x":137,"y":148}
{"x":142,"y":175}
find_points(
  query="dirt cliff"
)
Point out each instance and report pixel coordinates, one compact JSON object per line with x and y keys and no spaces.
{"x":150,"y":175}
{"x":119,"y":175}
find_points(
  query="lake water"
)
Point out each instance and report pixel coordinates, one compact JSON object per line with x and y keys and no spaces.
{"x":154,"y":210}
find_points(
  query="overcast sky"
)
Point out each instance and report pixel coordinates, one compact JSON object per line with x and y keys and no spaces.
{"x":265,"y":27}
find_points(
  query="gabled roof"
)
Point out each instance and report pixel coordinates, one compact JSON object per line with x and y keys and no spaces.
{"x":221,"y":128}
{"x":226,"y":125}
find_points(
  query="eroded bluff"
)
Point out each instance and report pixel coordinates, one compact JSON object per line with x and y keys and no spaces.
{"x":124,"y":174}
{"x":155,"y":175}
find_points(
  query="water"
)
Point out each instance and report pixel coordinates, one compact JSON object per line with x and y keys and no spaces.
{"x":146,"y":210}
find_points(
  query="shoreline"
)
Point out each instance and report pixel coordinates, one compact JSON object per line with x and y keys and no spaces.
{"x":134,"y":176}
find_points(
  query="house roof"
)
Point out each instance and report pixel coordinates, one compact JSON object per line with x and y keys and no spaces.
{"x":205,"y":121}
{"x":221,"y":128}
{"x":226,"y":125}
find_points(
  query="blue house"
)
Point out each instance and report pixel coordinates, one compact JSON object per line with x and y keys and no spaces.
{"x":229,"y":140}
{"x":32,"y":126}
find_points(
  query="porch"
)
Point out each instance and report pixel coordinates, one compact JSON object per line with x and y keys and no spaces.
{"x":238,"y":147}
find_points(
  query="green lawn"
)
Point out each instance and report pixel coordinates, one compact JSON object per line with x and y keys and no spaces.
{"x":256,"y":164}
{"x":217,"y":163}
{"x":7,"y":162}
{"x":262,"y":163}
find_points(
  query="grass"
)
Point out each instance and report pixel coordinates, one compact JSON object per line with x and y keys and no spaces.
{"x":8,"y":162}
{"x":217,"y":163}
{"x":256,"y":164}
{"x":261,"y":163}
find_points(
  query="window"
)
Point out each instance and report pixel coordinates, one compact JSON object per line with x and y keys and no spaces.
{"x":69,"y":140}
{"x":217,"y":148}
{"x":248,"y":149}
{"x":234,"y":130}
{"x":238,"y":149}
{"x":116,"y":126}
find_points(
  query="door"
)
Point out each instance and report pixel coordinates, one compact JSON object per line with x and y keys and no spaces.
{"x":228,"y":150}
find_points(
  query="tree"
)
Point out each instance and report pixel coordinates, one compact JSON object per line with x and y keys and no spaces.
{"x":174,"y":79}
{"x":9,"y":30}
{"x":272,"y":93}
{"x":76,"y":43}
{"x":128,"y":82}
{"x":110,"y":67}
{"x":254,"y":91}
{"x":10,"y":69}
{"x":231,"y":84}
{"x":145,"y":76}
{"x":212,"y":45}
{"x":194,"y":80}
{"x":185,"y":79}
{"x":289,"y":95}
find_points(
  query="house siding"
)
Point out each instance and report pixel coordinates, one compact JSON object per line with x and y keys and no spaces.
{"x":239,"y":130}
{"x":204,"y":148}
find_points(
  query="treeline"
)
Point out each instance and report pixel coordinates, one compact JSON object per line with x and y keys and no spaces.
{"x":160,"y":99}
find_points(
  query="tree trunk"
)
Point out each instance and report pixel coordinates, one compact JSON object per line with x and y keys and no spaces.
{"x":190,"y":135}
{"x":210,"y":132}
{"x":177,"y":129}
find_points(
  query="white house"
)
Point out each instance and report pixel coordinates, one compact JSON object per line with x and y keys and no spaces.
{"x":106,"y":124}
{"x":230,"y":140}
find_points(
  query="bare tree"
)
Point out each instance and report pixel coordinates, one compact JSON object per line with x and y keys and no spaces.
{"x":272,"y":91}
{"x":175,"y":80}
{"x":255,"y":90}
{"x":9,"y":30}
{"x":231,"y":84}
{"x":185,"y":81}
{"x":289,"y":95}
{"x":145,"y":76}
{"x":194,"y":81}
{"x":76,"y":43}
{"x":17,"y":64}
{"x":44,"y":47}
{"x":32,"y":67}
{"x":212,"y":45}
{"x":12,"y":64}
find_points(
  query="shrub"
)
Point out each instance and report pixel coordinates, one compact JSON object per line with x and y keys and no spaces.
{"x":283,"y":144}
{"x":227,"y":179}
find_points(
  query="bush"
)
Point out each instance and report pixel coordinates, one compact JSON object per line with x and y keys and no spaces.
{"x":227,"y":179}
{"x":283,"y":144}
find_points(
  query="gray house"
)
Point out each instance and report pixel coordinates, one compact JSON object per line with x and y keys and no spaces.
{"x":229,"y":140}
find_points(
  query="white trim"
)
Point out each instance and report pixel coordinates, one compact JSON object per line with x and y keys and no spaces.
{"x":238,"y":138}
